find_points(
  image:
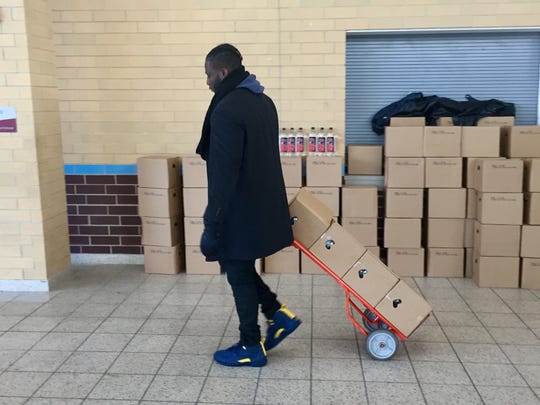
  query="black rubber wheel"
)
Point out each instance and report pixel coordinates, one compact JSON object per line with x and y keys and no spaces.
{"x":370,"y":326}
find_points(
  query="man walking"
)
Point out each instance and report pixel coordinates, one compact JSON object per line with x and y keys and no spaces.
{"x":247,"y":216}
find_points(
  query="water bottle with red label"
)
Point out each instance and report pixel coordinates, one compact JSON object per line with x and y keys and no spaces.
{"x":291,"y":149}
{"x":283,"y":142}
{"x":330,"y":142}
{"x":300,"y":142}
{"x":321,"y":142}
{"x":312,"y":142}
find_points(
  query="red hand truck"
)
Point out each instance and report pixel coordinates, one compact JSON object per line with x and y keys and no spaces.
{"x":382,"y":337}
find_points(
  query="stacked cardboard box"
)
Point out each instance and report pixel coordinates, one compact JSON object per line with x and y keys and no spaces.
{"x":404,"y":195}
{"x":445,"y":207}
{"x":530,"y":241}
{"x":499,"y":212}
{"x":356,"y":266}
{"x":287,"y":260}
{"x":195,"y":196}
{"x":359,"y":214}
{"x":520,"y":141}
{"x":324,"y":179}
{"x":492,"y":121}
{"x":161,"y":213}
{"x":364,"y":159}
{"x":478,"y":142}
{"x":481,"y":141}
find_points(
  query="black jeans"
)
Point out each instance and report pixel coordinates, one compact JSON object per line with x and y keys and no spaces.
{"x":249,"y":291}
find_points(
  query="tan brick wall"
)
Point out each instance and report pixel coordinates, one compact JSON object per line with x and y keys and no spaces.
{"x":131,"y":72}
{"x":48,"y":138}
{"x":131,"y":82}
{"x":33,"y":221}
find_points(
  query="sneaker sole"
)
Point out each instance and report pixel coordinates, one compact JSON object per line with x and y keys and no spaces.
{"x":261,"y":364}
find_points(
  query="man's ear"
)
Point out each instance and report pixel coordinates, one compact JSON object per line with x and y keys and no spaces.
{"x":223,"y":73}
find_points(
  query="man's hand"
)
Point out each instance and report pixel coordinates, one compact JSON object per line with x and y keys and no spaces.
{"x":210,"y":242}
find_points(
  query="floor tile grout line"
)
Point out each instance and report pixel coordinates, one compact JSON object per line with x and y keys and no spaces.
{"x":516,"y":314}
{"x":408,"y":354}
{"x":149,"y":277}
{"x":497,"y":343}
{"x":219,"y":344}
{"x":510,"y":362}
{"x":312,"y":295}
{"x":358,"y":334}
{"x":454,"y":349}
{"x":276,"y":289}
{"x":89,"y":334}
{"x":452,"y":343}
{"x":43,"y":337}
{"x":483,"y":323}
{"x":104,"y":283}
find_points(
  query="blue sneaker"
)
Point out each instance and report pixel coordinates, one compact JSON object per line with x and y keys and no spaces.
{"x":239,"y":355}
{"x":282,"y":324}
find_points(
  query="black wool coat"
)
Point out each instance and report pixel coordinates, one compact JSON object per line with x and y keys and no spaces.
{"x":246,"y":191}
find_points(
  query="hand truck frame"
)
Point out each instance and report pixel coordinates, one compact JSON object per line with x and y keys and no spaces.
{"x":381,"y":336}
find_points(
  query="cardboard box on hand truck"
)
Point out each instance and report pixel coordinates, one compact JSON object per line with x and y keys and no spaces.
{"x":347,"y":259}
{"x":404,"y":308}
{"x":309,"y":217}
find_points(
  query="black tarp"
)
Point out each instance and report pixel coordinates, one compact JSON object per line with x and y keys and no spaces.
{"x":463,"y":113}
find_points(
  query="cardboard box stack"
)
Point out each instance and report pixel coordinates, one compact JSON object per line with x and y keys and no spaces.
{"x":364,"y":160}
{"x":359,"y":214}
{"x":445,"y":203}
{"x":477,"y":142}
{"x":287,"y":261}
{"x":404,"y":195}
{"x":524,"y":142}
{"x":499,"y":215}
{"x":161,"y":213}
{"x":315,"y":228}
{"x":195,"y":197}
{"x":530,"y":240}
{"x":324,"y":179}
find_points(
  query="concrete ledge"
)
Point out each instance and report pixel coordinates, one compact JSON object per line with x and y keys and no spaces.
{"x":79,"y":258}
{"x":24,"y":285}
{"x":76,"y":259}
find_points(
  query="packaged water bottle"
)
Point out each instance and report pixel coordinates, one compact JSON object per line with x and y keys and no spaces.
{"x":300,"y":142}
{"x":330,"y":142}
{"x":321,"y":142}
{"x":283,"y":142}
{"x":291,"y":143}
{"x":312,"y":142}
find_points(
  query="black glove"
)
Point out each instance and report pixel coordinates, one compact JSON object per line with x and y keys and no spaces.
{"x":210,"y":242}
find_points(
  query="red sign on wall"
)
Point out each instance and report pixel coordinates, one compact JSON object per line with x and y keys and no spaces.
{"x":8,"y":119}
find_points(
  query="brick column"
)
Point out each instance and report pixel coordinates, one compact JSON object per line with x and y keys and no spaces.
{"x":34,"y":244}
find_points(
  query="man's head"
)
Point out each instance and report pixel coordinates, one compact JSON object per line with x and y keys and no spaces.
{"x":219,"y":62}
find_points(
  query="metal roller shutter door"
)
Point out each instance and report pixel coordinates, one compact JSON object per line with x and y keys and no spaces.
{"x":384,"y":67}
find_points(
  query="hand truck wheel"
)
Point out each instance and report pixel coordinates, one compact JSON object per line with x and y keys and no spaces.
{"x":381,"y":344}
{"x":371,"y":326}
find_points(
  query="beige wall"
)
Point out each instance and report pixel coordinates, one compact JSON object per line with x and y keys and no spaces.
{"x":131,"y":71}
{"x":33,"y":222}
{"x":129,"y":81}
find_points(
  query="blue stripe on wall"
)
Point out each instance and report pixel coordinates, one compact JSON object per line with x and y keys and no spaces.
{"x":99,"y":169}
{"x":122,"y":169}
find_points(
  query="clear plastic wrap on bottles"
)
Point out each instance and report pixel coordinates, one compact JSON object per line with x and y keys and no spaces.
{"x":291,"y":142}
{"x":283,"y":141}
{"x":330,"y":142}
{"x":300,"y":142}
{"x":321,"y":142}
{"x":312,"y":142}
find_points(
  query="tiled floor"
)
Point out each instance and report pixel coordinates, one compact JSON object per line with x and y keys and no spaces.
{"x":115,"y":335}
